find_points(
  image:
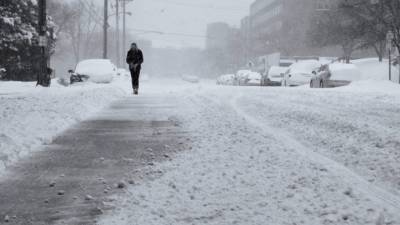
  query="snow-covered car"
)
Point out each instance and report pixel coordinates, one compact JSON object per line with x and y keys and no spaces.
{"x":98,"y":70}
{"x":241,"y":77}
{"x":228,"y":79}
{"x":274,"y":76}
{"x":253,"y":79}
{"x":300,"y":73}
{"x":191,"y":78}
{"x":335,"y":75}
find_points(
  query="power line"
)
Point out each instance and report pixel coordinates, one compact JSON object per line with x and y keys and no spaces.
{"x":200,"y":6}
{"x":171,"y":33}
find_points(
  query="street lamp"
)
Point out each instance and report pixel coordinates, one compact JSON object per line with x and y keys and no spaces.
{"x":124,"y":2}
{"x":117,"y":14}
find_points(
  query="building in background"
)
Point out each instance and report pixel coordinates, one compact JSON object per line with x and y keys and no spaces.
{"x":245,"y":36}
{"x":225,"y":49}
{"x":281,"y":26}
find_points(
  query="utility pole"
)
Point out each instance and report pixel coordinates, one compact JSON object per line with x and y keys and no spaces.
{"x":117,"y":27}
{"x":124,"y":2}
{"x":78,"y":54}
{"x":105,"y":27}
{"x":124,"y":26}
{"x":43,"y":78}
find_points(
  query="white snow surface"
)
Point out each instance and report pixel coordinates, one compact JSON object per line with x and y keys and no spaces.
{"x":372,"y":69}
{"x":257,"y":155}
{"x":342,"y":71}
{"x":32,"y":116}
{"x":98,"y":70}
{"x":276,"y":156}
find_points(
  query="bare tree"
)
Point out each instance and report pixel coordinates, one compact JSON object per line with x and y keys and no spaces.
{"x":83,"y":28}
{"x":335,"y":27}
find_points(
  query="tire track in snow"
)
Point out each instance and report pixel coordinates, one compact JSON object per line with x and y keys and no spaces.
{"x":356,"y":181}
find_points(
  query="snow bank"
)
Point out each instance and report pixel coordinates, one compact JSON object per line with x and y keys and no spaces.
{"x":31,"y":117}
{"x":341,"y":71}
{"x":377,"y":86}
{"x":372,"y":69}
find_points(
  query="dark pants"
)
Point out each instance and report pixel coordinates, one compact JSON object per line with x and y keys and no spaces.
{"x":135,"y":78}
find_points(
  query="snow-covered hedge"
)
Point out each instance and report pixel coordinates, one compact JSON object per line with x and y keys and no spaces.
{"x":19,"y":38}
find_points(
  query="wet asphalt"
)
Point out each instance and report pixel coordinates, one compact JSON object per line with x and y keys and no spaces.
{"x":71,"y":180}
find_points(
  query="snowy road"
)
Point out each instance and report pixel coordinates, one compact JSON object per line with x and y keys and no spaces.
{"x":245,"y":156}
{"x":278,"y":156}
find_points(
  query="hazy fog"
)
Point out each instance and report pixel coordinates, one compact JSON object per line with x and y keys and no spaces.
{"x":183,"y":16}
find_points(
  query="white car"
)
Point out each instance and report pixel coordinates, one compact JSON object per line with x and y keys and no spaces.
{"x":275,"y":76}
{"x":335,"y":75}
{"x":253,"y":79}
{"x":300,"y":73}
{"x":98,"y":70}
{"x":228,"y":79}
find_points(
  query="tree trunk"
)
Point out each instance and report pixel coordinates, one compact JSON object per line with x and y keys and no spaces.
{"x":379,"y":51}
{"x":347,"y":50}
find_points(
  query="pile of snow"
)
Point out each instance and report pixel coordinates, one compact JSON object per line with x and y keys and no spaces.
{"x":32,"y":116}
{"x":347,"y":72}
{"x":99,"y":70}
{"x":376,"y":86}
{"x":371,"y":68}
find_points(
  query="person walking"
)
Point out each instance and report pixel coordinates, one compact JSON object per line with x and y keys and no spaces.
{"x":135,"y":59}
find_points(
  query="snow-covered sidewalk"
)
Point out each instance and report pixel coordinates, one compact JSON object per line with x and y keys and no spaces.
{"x":277,"y":156}
{"x":32,"y":116}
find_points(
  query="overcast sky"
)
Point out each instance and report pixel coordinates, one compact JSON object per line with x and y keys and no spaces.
{"x":184,"y":17}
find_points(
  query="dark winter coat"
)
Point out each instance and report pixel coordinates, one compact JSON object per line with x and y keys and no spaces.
{"x":135,"y":57}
